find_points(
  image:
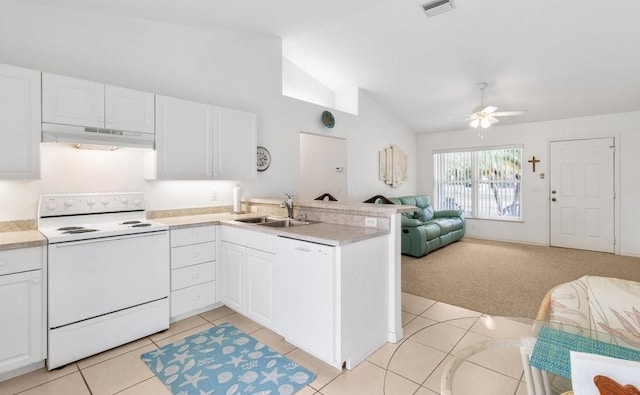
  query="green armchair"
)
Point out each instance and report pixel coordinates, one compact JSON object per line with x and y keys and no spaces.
{"x":426,"y":230}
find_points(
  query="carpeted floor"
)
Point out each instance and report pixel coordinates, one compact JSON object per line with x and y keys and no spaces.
{"x":505,"y":279}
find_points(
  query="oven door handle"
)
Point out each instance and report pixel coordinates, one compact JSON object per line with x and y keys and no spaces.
{"x":109,"y":239}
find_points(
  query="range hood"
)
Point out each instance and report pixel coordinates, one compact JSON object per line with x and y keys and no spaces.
{"x":52,"y":132}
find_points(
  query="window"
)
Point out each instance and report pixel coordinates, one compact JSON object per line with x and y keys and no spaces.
{"x":482,"y":183}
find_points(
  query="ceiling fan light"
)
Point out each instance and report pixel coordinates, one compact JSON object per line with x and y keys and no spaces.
{"x":485,"y":123}
{"x":475,"y":123}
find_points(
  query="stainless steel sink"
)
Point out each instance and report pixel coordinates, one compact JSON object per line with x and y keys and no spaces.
{"x":256,"y":220}
{"x":286,"y":223}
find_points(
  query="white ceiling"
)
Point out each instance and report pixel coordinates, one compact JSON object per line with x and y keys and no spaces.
{"x":556,"y":59}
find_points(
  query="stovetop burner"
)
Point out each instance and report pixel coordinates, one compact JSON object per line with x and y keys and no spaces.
{"x":80,"y":230}
{"x":70,"y":228}
{"x":130,"y":222}
{"x":140,"y":225}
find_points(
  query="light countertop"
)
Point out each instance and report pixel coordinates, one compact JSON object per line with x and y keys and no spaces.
{"x":21,"y":239}
{"x":323,"y":232}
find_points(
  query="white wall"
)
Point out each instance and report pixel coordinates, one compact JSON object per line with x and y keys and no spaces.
{"x":218,"y":67}
{"x":535,"y":192}
{"x":298,"y":84}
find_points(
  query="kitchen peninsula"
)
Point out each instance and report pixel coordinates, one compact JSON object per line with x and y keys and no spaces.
{"x":331,"y":288}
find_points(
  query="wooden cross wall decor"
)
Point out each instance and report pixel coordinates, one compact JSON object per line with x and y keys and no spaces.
{"x":533,"y":161}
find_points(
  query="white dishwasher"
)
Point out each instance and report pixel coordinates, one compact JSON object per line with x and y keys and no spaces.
{"x":310,"y":319}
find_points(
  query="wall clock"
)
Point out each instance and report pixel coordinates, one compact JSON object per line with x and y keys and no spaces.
{"x":263,"y":159}
{"x":328,"y":120}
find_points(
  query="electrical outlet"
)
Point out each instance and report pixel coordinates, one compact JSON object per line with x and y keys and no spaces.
{"x":368,"y":221}
{"x":214,"y":196}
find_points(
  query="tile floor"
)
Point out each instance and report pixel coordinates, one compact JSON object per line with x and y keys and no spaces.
{"x":434,"y":332}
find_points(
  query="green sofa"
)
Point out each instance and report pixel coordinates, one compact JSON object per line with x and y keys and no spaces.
{"x":427,"y":230}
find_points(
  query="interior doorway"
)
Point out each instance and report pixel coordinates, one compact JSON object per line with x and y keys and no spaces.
{"x":323,"y":166}
{"x":582,"y":199}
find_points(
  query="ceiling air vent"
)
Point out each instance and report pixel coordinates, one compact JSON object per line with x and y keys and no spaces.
{"x":438,"y":7}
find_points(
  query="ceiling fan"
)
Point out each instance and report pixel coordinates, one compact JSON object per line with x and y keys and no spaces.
{"x":485,"y":116}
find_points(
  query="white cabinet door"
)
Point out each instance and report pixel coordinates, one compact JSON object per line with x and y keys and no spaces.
{"x":309,"y":315}
{"x":22,"y":329}
{"x":19,"y":122}
{"x":235,"y":145}
{"x":70,"y":101}
{"x":232,"y":284}
{"x":128,"y":109}
{"x":184,"y":139}
{"x":196,"y":141}
{"x":259,"y":267}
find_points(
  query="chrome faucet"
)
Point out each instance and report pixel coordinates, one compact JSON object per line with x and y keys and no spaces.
{"x":289,"y":205}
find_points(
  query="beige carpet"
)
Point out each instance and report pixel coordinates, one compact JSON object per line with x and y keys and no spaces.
{"x":505,"y":279}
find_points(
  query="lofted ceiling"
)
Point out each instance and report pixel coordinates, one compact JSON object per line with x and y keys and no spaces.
{"x":556,"y":59}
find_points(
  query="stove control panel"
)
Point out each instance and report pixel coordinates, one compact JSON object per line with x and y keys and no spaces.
{"x":59,"y":205}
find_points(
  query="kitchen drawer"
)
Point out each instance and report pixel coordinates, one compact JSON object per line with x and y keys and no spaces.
{"x":193,"y":298}
{"x":193,"y":275}
{"x":21,"y":260}
{"x":193,"y":254}
{"x":197,"y":234}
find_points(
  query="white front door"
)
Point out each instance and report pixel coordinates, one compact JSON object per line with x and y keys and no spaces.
{"x":582,"y":194}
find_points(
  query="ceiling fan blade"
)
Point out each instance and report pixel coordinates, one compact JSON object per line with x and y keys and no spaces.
{"x":492,"y":120}
{"x":475,"y":123}
{"x":488,"y":110}
{"x":508,"y":113}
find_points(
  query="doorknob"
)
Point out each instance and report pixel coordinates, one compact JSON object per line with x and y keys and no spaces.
{"x":553,"y":199}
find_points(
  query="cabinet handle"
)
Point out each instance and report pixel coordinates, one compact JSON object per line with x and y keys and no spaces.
{"x":35,"y":281}
{"x":196,"y":254}
{"x":196,"y":235}
{"x":196,"y":298}
{"x":195,"y":275}
{"x":101,"y":119}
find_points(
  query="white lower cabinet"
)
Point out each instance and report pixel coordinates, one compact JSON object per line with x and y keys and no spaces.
{"x":247,"y":273}
{"x":193,"y":270}
{"x":22,"y":308}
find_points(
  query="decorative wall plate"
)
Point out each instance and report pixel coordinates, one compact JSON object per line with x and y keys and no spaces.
{"x":263,"y":159}
{"x":328,"y":120}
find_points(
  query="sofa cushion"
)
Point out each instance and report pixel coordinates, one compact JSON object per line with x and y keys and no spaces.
{"x":432,"y":231}
{"x":447,"y":224}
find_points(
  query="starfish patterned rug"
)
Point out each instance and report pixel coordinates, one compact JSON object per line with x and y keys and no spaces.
{"x":225,"y":360}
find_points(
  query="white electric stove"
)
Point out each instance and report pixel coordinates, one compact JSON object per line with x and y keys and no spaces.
{"x":108,"y":273}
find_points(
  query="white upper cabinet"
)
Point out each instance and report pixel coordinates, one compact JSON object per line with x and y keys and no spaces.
{"x":196,"y":141}
{"x":129,"y":109}
{"x":71,"y":101}
{"x":19,"y":123}
{"x":236,"y":145}
{"x":184,"y":139}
